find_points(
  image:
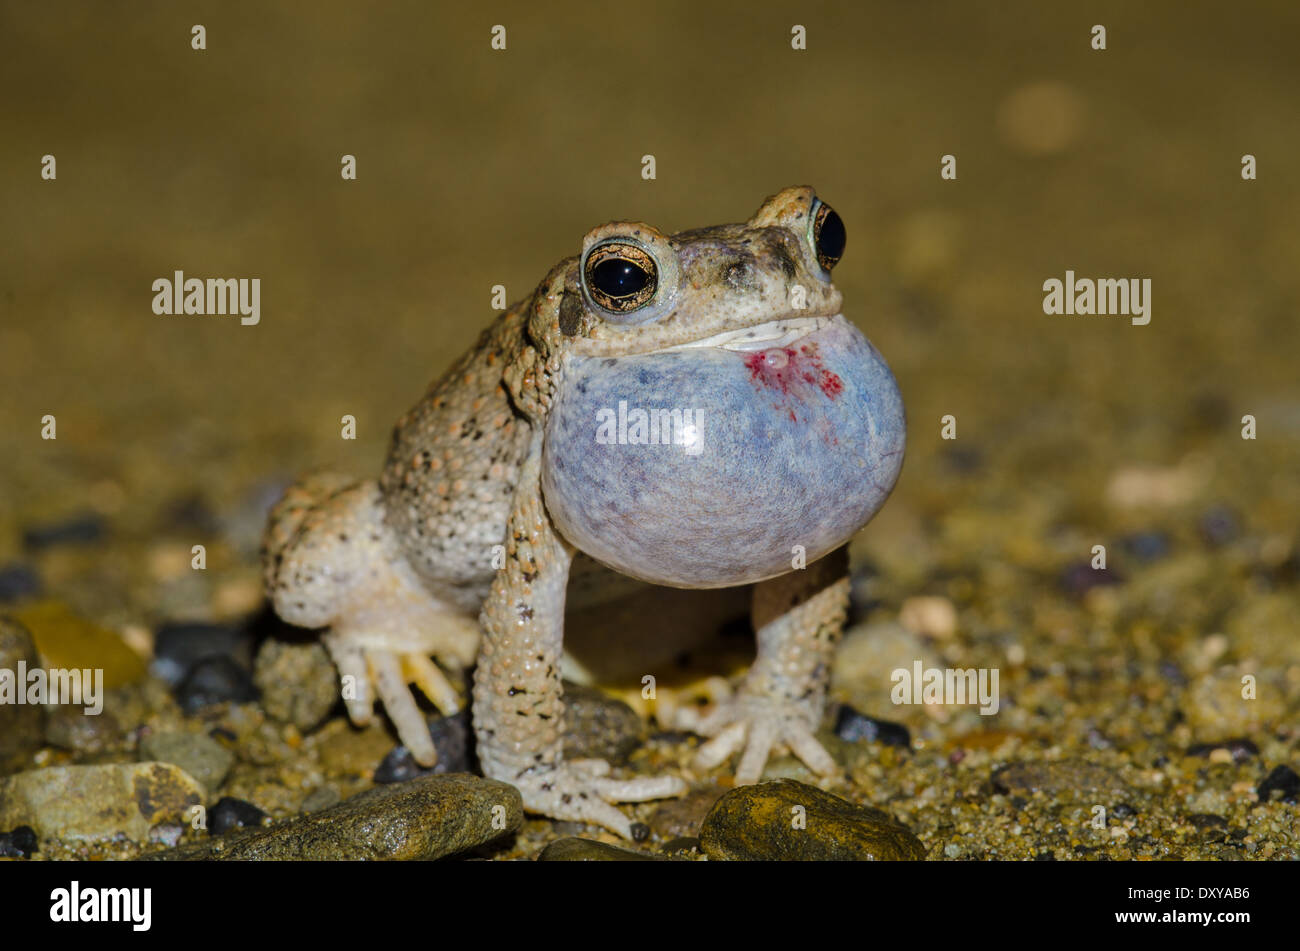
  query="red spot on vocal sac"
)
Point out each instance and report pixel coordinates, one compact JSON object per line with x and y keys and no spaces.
{"x":788,"y":370}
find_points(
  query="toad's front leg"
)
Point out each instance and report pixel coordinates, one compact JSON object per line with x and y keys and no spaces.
{"x":518,"y":701}
{"x":799,"y":618}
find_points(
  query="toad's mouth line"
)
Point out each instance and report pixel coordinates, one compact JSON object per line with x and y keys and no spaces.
{"x":775,"y":333}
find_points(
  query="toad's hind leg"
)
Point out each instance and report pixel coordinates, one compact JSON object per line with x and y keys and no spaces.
{"x":799,"y":618}
{"x":331,"y":561}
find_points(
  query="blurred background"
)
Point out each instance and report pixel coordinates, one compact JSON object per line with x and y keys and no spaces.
{"x":479,"y":167}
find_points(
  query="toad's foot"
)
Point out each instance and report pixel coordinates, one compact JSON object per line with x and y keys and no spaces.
{"x":331,"y":561}
{"x":581,"y":791}
{"x":799,"y":618}
{"x":367,"y":672}
{"x":757,"y":724}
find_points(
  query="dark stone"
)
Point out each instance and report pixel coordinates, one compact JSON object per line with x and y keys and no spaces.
{"x":453,"y":738}
{"x":79,"y":529}
{"x":1147,"y":546}
{"x":230,"y":813}
{"x":788,"y":820}
{"x":1122,"y":810}
{"x":1283,"y":779}
{"x":1241,"y":749}
{"x":852,"y":726}
{"x":18,"y":581}
{"x":215,"y":680}
{"x":1203,"y":820}
{"x":190,"y":513}
{"x":683,"y":816}
{"x":180,"y":645}
{"x":18,"y":844}
{"x":573,"y":849}
{"x":1080,"y":577}
{"x":1219,"y":525}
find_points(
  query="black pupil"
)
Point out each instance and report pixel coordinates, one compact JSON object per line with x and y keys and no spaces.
{"x":831,"y":237}
{"x":618,"y":277}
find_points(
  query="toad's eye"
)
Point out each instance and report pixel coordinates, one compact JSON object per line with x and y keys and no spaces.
{"x":828,"y":235}
{"x":620,"y":277}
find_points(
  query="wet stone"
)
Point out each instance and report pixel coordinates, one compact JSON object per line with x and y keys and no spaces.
{"x":215,"y":680}
{"x":297,"y":682}
{"x":21,"y":724}
{"x":230,"y":813}
{"x":426,"y":818}
{"x":197,"y":753}
{"x":789,"y":820}
{"x":98,"y":803}
{"x":178,"y":646}
{"x":573,"y":849}
{"x":453,"y":739}
{"x":599,"y":727}
{"x":853,"y":727}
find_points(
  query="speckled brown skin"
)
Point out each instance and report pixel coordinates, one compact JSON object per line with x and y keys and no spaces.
{"x":397,"y":570}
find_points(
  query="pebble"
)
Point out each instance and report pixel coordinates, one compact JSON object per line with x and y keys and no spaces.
{"x":1238,"y":750}
{"x":598,"y":727}
{"x":215,"y":680}
{"x":18,"y":844}
{"x":682,"y":817}
{"x":19,"y":581}
{"x":929,"y":615}
{"x":1213,"y":703}
{"x":789,"y":820}
{"x":1204,"y":820}
{"x":573,"y":849}
{"x":1068,"y":777}
{"x":70,"y":727}
{"x":230,"y":813}
{"x":297,"y":681}
{"x":21,"y":725}
{"x":65,"y":640}
{"x":424,"y":819}
{"x":853,"y":727}
{"x":1078,"y":578}
{"x":1219,"y":525}
{"x":453,"y":739}
{"x":323,"y":797}
{"x":1282,"y":779}
{"x":197,"y":753}
{"x":179,"y":645}
{"x":77,"y":530}
{"x":98,"y":803}
{"x":1147,"y":546}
